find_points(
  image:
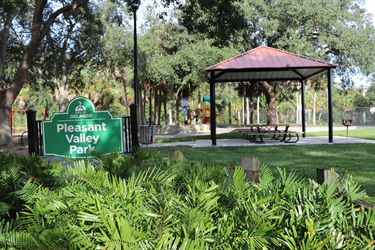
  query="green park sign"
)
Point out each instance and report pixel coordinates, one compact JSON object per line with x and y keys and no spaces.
{"x":82,"y":129}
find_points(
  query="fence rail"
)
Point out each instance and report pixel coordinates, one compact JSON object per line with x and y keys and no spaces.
{"x":361,"y":116}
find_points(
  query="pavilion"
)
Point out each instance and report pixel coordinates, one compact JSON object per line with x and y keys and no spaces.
{"x":269,"y":64}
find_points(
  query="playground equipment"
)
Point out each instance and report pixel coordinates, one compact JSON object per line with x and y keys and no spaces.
{"x":204,"y":114}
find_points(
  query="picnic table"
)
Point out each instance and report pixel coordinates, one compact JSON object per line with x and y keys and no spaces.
{"x":280,"y":132}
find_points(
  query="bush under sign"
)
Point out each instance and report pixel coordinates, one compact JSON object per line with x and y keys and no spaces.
{"x":82,"y":129}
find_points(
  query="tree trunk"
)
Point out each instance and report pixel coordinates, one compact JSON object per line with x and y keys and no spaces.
{"x":177,"y":111}
{"x":251,"y":110}
{"x":243,"y":103}
{"x":253,"y":90}
{"x":156,"y":105}
{"x":314,"y":109}
{"x":165,"y":98}
{"x":230,"y":112}
{"x":123,"y":81}
{"x":247,"y":111}
{"x":198,"y":114}
{"x":258,"y":111}
{"x":5,"y":129}
{"x":171,"y":105}
{"x":142,"y":102}
{"x":8,"y":96}
{"x":61,"y":94}
{"x":159,"y":106}
{"x":270,"y":93}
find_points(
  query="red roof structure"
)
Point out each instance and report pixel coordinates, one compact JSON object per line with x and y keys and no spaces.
{"x":269,"y":64}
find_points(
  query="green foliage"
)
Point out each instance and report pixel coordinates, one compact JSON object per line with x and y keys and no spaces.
{"x":363,"y":97}
{"x":12,"y":238}
{"x":184,"y":205}
{"x":339,"y":32}
{"x":17,"y":171}
{"x":136,"y":162}
{"x":220,"y":20}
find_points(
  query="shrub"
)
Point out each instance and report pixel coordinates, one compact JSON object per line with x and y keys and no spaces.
{"x":157,"y":204}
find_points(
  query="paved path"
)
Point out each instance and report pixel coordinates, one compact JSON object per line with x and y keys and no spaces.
{"x":268,"y":142}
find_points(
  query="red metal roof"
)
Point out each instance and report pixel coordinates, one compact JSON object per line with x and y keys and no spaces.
{"x":266,"y":63}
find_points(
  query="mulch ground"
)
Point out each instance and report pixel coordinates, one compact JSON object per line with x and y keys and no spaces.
{"x":16,"y":147}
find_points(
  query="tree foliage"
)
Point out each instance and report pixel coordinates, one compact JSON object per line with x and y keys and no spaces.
{"x":33,"y":27}
{"x":340,"y":32}
{"x":73,"y":44}
{"x":49,"y":43}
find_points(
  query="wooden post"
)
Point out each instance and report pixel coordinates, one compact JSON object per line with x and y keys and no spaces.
{"x":325,"y":175}
{"x":251,"y":165}
{"x":176,"y":155}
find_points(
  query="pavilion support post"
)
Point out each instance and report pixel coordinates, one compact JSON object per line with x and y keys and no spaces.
{"x":330,"y":106}
{"x":303,"y":108}
{"x":212,"y":108}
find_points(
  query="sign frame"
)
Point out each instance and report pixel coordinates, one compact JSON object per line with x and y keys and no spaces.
{"x":81,"y":129}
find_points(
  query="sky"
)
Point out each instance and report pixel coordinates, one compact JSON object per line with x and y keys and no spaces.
{"x":370,"y":7}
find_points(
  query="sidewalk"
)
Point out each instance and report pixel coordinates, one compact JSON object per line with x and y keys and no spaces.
{"x":268,"y":142}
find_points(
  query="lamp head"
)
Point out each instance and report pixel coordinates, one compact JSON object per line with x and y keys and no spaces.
{"x":134,"y":4}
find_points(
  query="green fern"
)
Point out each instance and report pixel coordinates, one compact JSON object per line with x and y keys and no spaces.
{"x":11,"y":238}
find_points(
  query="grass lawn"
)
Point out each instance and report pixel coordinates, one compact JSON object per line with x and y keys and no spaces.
{"x":355,"y":159}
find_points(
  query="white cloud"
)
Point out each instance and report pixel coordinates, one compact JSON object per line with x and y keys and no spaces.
{"x":370,"y":7}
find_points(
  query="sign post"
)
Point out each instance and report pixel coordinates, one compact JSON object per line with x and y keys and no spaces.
{"x":185,"y":105}
{"x":82,"y":129}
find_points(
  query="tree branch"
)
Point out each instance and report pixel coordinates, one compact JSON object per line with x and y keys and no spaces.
{"x":75,"y":4}
{"x":4,"y":36}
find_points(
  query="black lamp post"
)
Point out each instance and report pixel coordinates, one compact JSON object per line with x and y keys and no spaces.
{"x":134,"y":4}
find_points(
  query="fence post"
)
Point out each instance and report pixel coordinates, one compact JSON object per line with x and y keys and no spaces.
{"x":326,"y":175}
{"x":251,"y":165}
{"x":134,"y":125}
{"x":32,"y":131}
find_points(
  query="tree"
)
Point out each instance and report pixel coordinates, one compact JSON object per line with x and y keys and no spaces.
{"x":220,"y":20}
{"x":340,"y":32}
{"x":31,"y":33}
{"x":117,"y":47}
{"x":174,"y":60}
{"x":365,"y":98}
{"x":72,"y":44}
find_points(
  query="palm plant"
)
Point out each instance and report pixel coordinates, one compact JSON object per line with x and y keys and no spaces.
{"x":184,"y":205}
{"x":12,"y":238}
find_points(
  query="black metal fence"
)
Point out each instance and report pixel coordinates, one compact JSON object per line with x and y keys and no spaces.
{"x":34,"y":131}
{"x":127,"y":134}
{"x":361,"y":116}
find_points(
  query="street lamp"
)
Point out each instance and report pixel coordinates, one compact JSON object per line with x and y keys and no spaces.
{"x":134,"y":4}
